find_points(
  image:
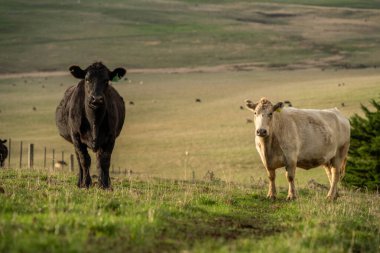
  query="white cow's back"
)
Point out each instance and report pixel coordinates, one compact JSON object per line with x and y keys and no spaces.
{"x":310,"y":136}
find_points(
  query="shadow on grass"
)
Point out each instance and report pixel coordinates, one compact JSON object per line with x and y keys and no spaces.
{"x":246,"y":218}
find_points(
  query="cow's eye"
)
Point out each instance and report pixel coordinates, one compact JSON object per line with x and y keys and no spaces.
{"x":255,"y":113}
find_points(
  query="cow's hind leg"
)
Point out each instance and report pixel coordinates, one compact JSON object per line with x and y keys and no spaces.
{"x":328,"y":172}
{"x":329,"y":176}
{"x":84,"y":161}
{"x":335,"y":175}
{"x":103,"y":164}
{"x":338,"y":164}
{"x":272,"y":185}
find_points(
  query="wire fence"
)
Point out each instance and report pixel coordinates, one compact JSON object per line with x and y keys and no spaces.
{"x":26,"y":155}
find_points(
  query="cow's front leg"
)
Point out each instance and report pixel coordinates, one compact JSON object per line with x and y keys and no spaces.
{"x":272,"y":185}
{"x":290,"y":176}
{"x":103,"y":164}
{"x":84,"y":161}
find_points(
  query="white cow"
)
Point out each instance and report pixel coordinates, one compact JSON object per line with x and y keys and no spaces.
{"x":305,"y":138}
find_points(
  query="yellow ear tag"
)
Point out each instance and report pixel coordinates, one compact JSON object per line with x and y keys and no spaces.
{"x":278,"y":110}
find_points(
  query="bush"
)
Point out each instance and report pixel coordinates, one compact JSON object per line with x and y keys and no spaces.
{"x":363,"y":165}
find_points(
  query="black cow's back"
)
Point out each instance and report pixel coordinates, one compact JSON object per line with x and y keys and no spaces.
{"x":62,"y":114}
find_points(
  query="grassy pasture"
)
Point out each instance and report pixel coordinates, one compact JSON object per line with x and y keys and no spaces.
{"x":43,"y":211}
{"x":221,"y":51}
{"x":165,"y":121}
{"x":44,"y":35}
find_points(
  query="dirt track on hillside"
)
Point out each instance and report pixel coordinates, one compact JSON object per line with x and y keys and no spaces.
{"x":321,"y":63}
{"x":202,"y":69}
{"x":205,"y":69}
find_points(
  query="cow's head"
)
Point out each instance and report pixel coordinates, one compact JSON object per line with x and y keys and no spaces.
{"x":96,"y":78}
{"x":263,"y":114}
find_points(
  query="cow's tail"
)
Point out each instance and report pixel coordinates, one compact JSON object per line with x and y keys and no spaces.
{"x":343,"y":168}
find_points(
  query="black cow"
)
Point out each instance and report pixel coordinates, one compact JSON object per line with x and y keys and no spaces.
{"x":91,"y":115}
{"x":3,"y":152}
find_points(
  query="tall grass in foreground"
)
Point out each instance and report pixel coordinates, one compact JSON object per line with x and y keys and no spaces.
{"x":43,"y":211}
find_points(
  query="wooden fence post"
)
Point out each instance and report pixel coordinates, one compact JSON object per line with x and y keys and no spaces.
{"x":9,"y":152}
{"x":30,"y":156}
{"x":44,"y":157}
{"x":63,"y":160}
{"x":72,"y":162}
{"x":20,"y":164}
{"x":53,"y":161}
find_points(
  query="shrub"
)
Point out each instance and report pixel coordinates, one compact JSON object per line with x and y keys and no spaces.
{"x":363,"y":165}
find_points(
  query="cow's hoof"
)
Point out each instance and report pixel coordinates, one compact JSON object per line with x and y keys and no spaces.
{"x":106,"y":188}
{"x":291,"y":197}
{"x":271,"y":197}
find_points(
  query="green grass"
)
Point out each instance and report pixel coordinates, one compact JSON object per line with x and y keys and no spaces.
{"x":43,"y":211}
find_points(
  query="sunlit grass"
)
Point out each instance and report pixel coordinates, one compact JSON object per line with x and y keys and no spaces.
{"x":43,"y":211}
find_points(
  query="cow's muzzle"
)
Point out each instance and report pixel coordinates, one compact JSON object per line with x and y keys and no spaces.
{"x":96,"y":102}
{"x":262,"y":132}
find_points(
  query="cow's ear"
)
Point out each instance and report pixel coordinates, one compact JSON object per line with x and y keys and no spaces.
{"x":117,"y":74}
{"x":250,"y":105}
{"x":277,"y":107}
{"x":77,"y":72}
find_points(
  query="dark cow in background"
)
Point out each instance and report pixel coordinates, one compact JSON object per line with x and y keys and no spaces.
{"x":3,"y":152}
{"x":91,"y":115}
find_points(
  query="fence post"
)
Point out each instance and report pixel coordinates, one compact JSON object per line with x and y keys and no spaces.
{"x":53,"y":159}
{"x":72,"y":162}
{"x":44,"y":157}
{"x":30,"y":156}
{"x":20,"y":164}
{"x":63,"y":160}
{"x":9,"y":152}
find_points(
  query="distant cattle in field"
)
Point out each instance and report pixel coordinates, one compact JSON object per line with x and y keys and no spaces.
{"x":306,"y":138}
{"x":248,"y":121}
{"x":241,"y":107}
{"x":198,"y":100}
{"x":343,"y":104}
{"x":60,"y":164}
{"x":3,"y":152}
{"x":131,"y":103}
{"x":91,"y":115}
